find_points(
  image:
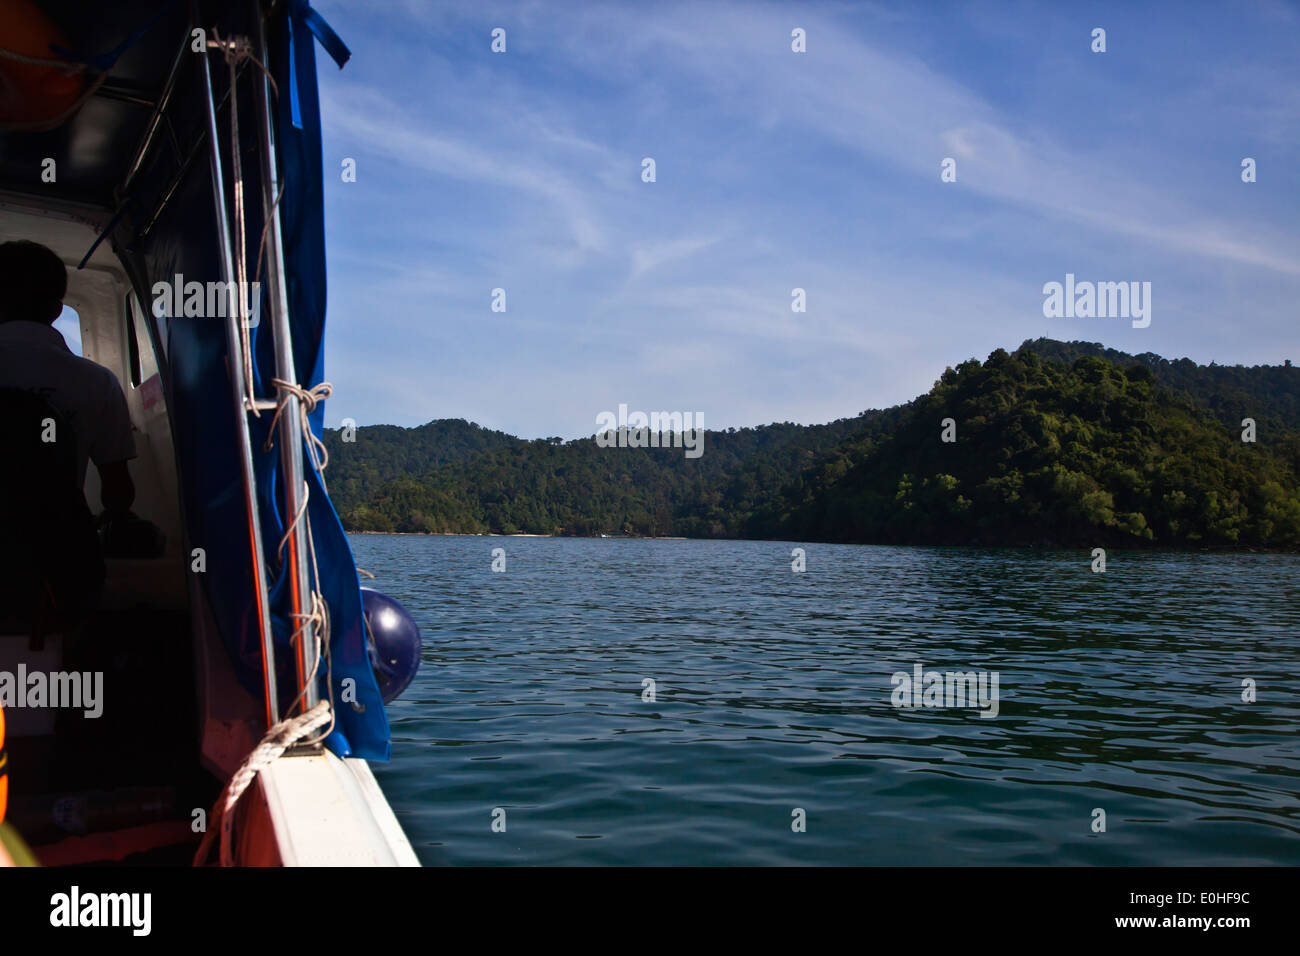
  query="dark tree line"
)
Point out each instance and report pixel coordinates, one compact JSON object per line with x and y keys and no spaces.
{"x":1056,"y":443}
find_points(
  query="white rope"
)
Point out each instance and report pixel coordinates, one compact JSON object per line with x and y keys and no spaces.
{"x":237,"y":49}
{"x":308,"y":398}
{"x":319,"y":615}
{"x":277,"y":740}
{"x":67,"y":68}
{"x":315,"y":621}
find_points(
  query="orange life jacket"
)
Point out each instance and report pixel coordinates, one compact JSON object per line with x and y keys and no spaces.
{"x":4,"y":769}
{"x":30,"y":92}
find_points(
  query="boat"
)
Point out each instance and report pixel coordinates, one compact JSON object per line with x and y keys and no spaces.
{"x":164,"y":149}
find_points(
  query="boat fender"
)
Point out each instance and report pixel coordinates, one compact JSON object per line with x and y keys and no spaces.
{"x":393,"y":641}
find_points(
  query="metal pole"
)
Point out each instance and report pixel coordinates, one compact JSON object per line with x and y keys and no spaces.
{"x":156,"y":120}
{"x":291,"y":437}
{"x":235,"y":367}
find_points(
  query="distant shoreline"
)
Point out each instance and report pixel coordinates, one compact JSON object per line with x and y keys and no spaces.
{"x":1038,"y":546}
{"x":495,"y":534}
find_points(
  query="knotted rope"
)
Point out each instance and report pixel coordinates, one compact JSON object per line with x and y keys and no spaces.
{"x":308,"y":398}
{"x":316,"y":621}
{"x":277,"y":740}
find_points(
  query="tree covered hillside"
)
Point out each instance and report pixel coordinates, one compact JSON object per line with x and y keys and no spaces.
{"x":1049,"y":453}
{"x":1270,"y":394}
{"x":1095,"y":448}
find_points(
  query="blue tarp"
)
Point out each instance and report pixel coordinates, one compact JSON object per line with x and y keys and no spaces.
{"x":204,"y":423}
{"x":362,"y":729}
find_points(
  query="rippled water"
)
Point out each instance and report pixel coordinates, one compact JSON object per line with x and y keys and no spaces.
{"x":1120,"y":691}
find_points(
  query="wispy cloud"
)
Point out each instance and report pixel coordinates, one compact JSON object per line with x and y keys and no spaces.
{"x":779,"y":170}
{"x":368,"y":118}
{"x":653,"y":255}
{"x":894,"y":107}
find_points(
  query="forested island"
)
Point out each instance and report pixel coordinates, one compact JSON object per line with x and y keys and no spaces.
{"x":1057,"y":443}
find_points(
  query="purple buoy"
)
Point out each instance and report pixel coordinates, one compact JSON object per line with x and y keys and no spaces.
{"x":393,"y":641}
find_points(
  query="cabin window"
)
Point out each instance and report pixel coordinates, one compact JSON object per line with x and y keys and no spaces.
{"x":68,"y":324}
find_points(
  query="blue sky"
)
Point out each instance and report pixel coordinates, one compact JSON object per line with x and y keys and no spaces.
{"x":778,"y":170}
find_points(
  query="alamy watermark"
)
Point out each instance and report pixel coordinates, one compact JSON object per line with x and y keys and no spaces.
{"x":1101,"y":300}
{"x":641,"y":430}
{"x":75,"y":908}
{"x":57,"y":689}
{"x":923,"y":688}
{"x":207,"y":300}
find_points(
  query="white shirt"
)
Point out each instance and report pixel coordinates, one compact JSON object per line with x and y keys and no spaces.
{"x":34,"y":358}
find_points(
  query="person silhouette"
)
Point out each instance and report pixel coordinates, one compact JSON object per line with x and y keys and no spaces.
{"x":58,"y":411}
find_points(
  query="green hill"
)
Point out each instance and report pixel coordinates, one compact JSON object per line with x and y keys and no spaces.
{"x":1061,"y":443}
{"x":1045,"y":453}
{"x":1270,"y":394}
{"x":381,"y":454}
{"x":552,"y":487}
